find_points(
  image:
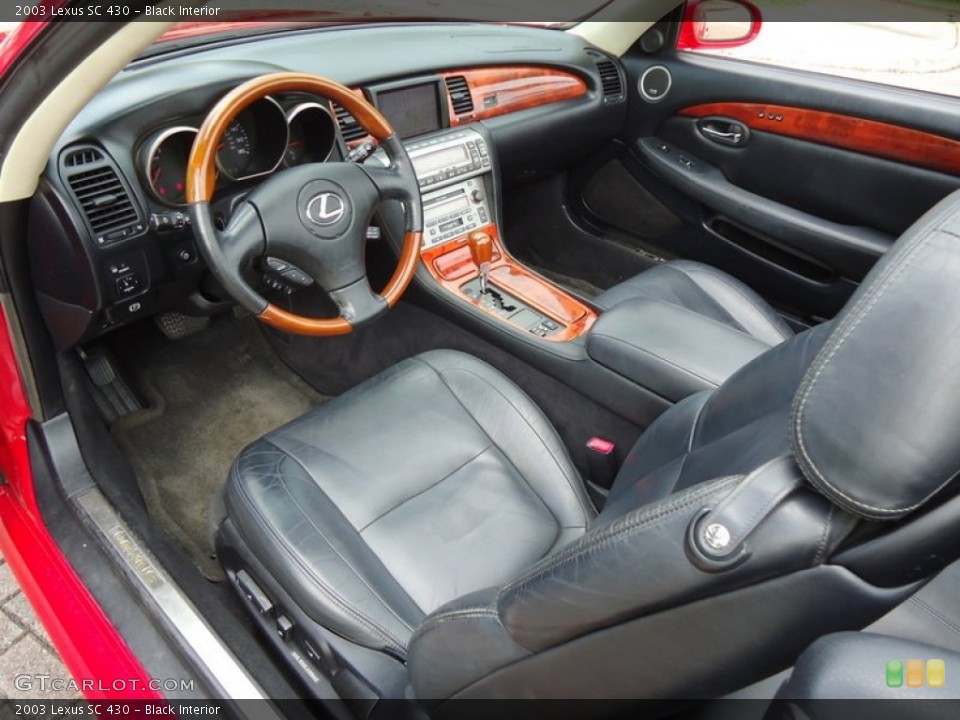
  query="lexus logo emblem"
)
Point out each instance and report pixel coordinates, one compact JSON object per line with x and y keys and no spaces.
{"x":326,"y":209}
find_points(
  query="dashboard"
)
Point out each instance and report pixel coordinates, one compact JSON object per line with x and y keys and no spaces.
{"x":110,"y":237}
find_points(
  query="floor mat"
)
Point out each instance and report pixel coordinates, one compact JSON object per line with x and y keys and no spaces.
{"x":209,"y":396}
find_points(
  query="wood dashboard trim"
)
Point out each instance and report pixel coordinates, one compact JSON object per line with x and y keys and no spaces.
{"x":846,"y":132}
{"x":501,"y":90}
{"x":509,"y":275}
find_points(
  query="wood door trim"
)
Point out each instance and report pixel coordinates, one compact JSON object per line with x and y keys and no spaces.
{"x":846,"y":132}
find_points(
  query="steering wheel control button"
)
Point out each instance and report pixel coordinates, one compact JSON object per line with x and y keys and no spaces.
{"x":325,"y":209}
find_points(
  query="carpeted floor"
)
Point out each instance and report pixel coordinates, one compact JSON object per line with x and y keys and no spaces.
{"x":209,"y":395}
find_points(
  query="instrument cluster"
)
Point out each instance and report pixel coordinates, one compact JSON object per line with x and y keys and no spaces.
{"x":264,"y":137}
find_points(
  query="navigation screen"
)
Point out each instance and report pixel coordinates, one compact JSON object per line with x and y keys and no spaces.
{"x":412,"y":110}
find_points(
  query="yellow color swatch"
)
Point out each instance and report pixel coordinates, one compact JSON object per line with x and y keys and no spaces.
{"x":936,"y":673}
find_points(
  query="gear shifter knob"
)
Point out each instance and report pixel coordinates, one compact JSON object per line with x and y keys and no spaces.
{"x":481,"y":250}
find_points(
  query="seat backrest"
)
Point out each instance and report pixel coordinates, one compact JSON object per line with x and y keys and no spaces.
{"x":715,"y":561}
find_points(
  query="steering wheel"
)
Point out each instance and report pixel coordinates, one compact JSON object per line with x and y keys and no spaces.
{"x":313,"y":216}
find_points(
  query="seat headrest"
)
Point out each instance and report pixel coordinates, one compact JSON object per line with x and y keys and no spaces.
{"x":876,"y":422}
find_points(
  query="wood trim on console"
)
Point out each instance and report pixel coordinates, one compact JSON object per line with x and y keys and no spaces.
{"x":868,"y":137}
{"x":501,"y":90}
{"x":451,"y":267}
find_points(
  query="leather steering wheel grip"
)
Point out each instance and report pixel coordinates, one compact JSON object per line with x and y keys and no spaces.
{"x":202,"y":177}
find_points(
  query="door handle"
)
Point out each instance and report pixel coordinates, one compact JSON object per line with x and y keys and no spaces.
{"x":724,"y":131}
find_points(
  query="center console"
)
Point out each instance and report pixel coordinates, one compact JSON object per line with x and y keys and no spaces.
{"x":455,"y":171}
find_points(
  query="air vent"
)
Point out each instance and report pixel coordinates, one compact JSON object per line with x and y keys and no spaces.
{"x":349,"y":127}
{"x":612,"y":82}
{"x":83,"y":156}
{"x":102,"y":195}
{"x":460,"y":97}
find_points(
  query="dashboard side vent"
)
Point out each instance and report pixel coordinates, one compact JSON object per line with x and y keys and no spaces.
{"x":612,"y":83}
{"x":103,"y":197}
{"x":460,"y":97}
{"x":349,"y":127}
{"x":610,"y":80}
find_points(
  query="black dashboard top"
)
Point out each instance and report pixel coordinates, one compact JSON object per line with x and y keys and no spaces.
{"x":136,"y":133}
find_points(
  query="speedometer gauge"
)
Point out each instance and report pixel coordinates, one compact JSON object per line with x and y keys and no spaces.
{"x":255,"y":142}
{"x":235,"y":151}
{"x":166,"y":164}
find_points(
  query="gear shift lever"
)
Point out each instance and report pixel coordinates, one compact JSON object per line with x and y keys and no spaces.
{"x":481,"y":250}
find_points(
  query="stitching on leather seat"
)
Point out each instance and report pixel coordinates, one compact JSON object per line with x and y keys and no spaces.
{"x":570,"y":482}
{"x":637,"y":520}
{"x":859,"y":313}
{"x":621,"y":341}
{"x":726,"y":281}
{"x":426,"y":489}
{"x":359,"y":616}
{"x":434,"y":621}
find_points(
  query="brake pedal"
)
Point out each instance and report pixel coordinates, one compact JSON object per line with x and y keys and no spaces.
{"x":110,"y":391}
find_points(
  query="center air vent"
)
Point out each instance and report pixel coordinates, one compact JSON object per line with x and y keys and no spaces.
{"x":611,"y":78}
{"x":349,"y":127}
{"x":101,"y":194}
{"x":460,"y":97}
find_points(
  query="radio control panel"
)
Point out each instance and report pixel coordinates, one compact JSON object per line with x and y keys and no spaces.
{"x":453,"y":170}
{"x":447,"y":158}
{"x":454,"y":211}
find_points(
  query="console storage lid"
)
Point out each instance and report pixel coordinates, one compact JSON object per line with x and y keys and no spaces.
{"x":667,"y":349}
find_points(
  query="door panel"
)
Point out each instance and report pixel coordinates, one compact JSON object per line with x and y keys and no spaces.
{"x":795,"y":182}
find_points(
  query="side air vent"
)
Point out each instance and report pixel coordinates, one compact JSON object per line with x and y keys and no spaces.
{"x":349,"y":127}
{"x":102,"y":196}
{"x":611,"y":78}
{"x":460,"y":97}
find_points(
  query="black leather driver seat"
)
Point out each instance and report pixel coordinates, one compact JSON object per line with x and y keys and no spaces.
{"x":433,"y":480}
{"x":705,"y":291}
{"x":428,"y":528}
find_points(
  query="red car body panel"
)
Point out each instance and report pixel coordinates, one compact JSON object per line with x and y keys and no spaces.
{"x":690,"y":32}
{"x":90,"y":645}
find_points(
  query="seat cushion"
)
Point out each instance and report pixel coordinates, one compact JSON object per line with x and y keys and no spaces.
{"x":432,"y":480}
{"x":706,"y":291}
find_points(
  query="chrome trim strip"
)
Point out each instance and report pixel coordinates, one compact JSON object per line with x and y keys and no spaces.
{"x":151,"y":151}
{"x":230,"y":679}
{"x":334,"y":126}
{"x":283,"y":150}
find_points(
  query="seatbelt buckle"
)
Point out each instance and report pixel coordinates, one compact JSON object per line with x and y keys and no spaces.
{"x":602,"y":462}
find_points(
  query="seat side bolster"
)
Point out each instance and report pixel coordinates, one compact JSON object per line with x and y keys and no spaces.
{"x":458,"y":643}
{"x":640,"y":563}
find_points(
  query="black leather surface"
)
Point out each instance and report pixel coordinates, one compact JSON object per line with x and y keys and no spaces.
{"x":431,"y":481}
{"x":852,"y":666}
{"x":673,"y":351}
{"x":875,"y":420}
{"x":932,"y":615}
{"x":433,"y":513}
{"x":707,"y":292}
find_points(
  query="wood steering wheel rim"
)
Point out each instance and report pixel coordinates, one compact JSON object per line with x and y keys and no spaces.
{"x":202,"y":178}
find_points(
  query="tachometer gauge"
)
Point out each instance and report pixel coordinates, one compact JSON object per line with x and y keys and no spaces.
{"x":235,"y":151}
{"x":166,"y":165}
